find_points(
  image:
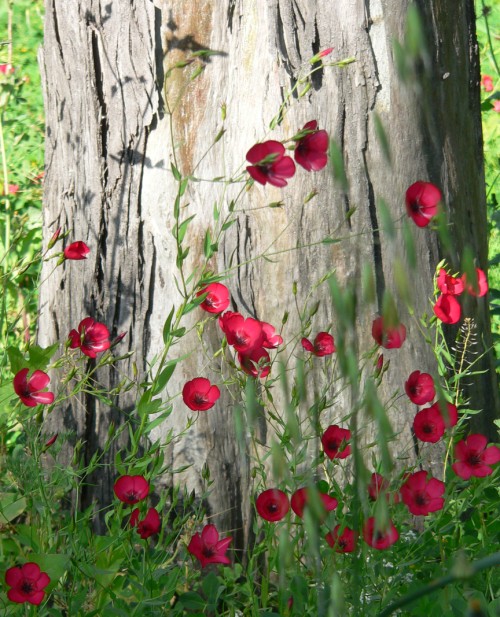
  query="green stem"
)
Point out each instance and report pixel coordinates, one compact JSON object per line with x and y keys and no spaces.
{"x":453,"y":577}
{"x":5,"y":188}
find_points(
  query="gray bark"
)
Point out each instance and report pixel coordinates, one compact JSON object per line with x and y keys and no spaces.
{"x":108,"y":179}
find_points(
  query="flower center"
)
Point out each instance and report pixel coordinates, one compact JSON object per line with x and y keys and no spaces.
{"x":131,"y":496}
{"x":474,"y":459}
{"x":333,"y":445}
{"x":428,"y":428}
{"x":421,"y":499}
{"x":241,"y":338}
{"x":272,"y":507}
{"x":208,"y":551}
{"x":200,"y":399}
{"x":27,"y":587}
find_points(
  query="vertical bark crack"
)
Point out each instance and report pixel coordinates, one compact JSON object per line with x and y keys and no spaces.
{"x":103,"y":112}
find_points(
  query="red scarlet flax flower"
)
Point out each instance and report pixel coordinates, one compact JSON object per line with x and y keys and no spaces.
{"x":27,"y":583}
{"x":310,"y":149}
{"x":447,"y":309}
{"x":300,"y":500}
{"x":76,"y":250}
{"x":92,"y":337}
{"x":199,"y":394}
{"x":243,"y":334}
{"x":268,"y":163}
{"x":378,"y":538}
{"x":149,"y":525}
{"x":422,"y":495}
{"x":448,"y":284}
{"x":335,"y":442}
{"x":208,"y":548}
{"x":479,"y":287}
{"x":272,"y":505}
{"x":422,"y":199}
{"x":344,"y":542}
{"x":430,"y":423}
{"x":131,"y":489}
{"x":390,"y":337}
{"x":30,"y":391}
{"x":474,"y":458}
{"x":324,"y":344}
{"x":217,"y":299}
{"x":420,"y":388}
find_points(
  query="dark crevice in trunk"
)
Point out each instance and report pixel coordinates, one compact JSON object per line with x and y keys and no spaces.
{"x":103,"y":117}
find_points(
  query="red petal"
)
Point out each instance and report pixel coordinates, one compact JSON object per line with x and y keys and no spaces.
{"x":259,"y":152}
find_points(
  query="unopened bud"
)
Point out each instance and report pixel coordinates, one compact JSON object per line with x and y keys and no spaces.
{"x":54,"y":238}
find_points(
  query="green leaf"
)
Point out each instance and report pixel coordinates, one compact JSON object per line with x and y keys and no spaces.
{"x":228,"y":224}
{"x":55,"y":564}
{"x":167,"y":325}
{"x":191,"y":600}
{"x":163,"y":379}
{"x":382,"y":138}
{"x":11,"y":506}
{"x":183,"y":186}
{"x":16,"y":359}
{"x":175,"y":172}
{"x":386,"y":222}
{"x":207,"y":245}
{"x":337,"y":165}
{"x":183,"y":228}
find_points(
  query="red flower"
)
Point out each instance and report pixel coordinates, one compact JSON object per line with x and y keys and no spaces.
{"x":379,"y":365}
{"x":377,"y":538}
{"x":199,"y":394}
{"x":343,"y":543}
{"x":447,"y":309}
{"x":149,"y":525}
{"x":27,"y":583}
{"x":8,"y":68}
{"x":481,"y":284}
{"x":325,"y":52}
{"x":54,"y":239}
{"x":92,"y":337}
{"x":207,"y":547}
{"x":335,"y":442}
{"x":217,"y":299}
{"x":268,"y":163}
{"x":429,"y":424}
{"x":422,"y":199}
{"x":378,"y":484}
{"x":390,"y":337}
{"x":256,"y":362}
{"x":474,"y":458}
{"x":301,"y":497}
{"x":76,"y":250}
{"x":324,"y":345}
{"x":310,"y":150}
{"x":272,"y":505}
{"x":131,"y":489}
{"x":496,"y":106}
{"x":51,"y":441}
{"x":420,"y":388}
{"x":487,"y":83}
{"x":30,"y":390}
{"x":422,"y":495}
{"x":271,"y":339}
{"x":243,"y":334}
{"x":12,"y":189}
{"x":448,"y":284}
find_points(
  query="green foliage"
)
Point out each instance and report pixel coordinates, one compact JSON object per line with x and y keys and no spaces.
{"x":442,"y":564}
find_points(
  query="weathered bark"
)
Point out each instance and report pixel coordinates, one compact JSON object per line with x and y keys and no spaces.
{"x":108,"y":179}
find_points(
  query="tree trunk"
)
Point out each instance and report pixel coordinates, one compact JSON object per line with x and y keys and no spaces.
{"x":109,"y":181}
